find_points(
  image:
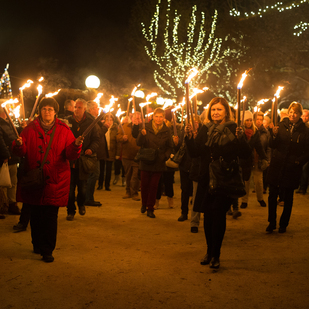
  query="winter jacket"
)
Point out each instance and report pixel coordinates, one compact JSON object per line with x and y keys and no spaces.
{"x":290,"y":153}
{"x":56,"y":170}
{"x":129,"y":147}
{"x":162,"y":141}
{"x":264,"y":137}
{"x":7,"y":136}
{"x":202,"y":147}
{"x":91,"y":140}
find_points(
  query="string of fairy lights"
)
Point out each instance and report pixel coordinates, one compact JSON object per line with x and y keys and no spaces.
{"x":280,"y":7}
{"x":178,"y":57}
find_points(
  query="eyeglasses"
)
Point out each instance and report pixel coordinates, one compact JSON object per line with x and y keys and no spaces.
{"x":49,"y":110}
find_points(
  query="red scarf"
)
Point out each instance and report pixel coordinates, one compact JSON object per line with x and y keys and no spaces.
{"x":249,"y":133}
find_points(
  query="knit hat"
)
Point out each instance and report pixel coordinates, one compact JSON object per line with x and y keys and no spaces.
{"x":248,"y":115}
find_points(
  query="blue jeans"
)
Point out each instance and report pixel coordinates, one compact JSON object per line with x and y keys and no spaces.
{"x":91,"y":181}
{"x":81,"y":191}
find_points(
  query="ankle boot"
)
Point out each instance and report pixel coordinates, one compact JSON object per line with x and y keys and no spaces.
{"x":170,"y":201}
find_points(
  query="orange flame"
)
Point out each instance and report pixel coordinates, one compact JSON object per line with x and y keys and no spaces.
{"x":277,"y":94}
{"x":10,"y":101}
{"x":243,"y":77}
{"x":51,"y":94}
{"x":193,"y":73}
{"x":27,"y":84}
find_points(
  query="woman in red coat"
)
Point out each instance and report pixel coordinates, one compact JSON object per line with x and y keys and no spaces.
{"x":32,"y":145}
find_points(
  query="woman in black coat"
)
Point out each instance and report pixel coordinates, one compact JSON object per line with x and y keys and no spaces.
{"x":217,"y":139}
{"x":290,"y":143}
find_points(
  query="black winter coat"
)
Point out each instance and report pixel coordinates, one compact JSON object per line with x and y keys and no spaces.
{"x":290,"y":153}
{"x":197,"y":148}
{"x":161,"y":141}
{"x":7,"y":136}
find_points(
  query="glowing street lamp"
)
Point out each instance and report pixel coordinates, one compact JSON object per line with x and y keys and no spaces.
{"x":92,"y":81}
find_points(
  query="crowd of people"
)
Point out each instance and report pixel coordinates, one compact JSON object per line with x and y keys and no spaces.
{"x":75,"y":161}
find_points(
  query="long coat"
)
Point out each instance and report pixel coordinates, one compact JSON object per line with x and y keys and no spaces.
{"x":198,"y":148}
{"x":56,"y":170}
{"x":162,"y":141}
{"x":290,"y":153}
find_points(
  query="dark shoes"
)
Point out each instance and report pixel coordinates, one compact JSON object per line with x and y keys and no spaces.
{"x":99,"y":187}
{"x":282,"y":230}
{"x":19,"y":227}
{"x":143,"y":209}
{"x":70,"y":217}
{"x":236,"y":214}
{"x":300,"y":191}
{"x":108,"y":189}
{"x":271,"y":227}
{"x":244,"y":205}
{"x":82,"y":210}
{"x":136,"y":198}
{"x":93,"y":203}
{"x":214,"y":263}
{"x":194,"y":229}
{"x":262,"y":203}
{"x":48,"y":258}
{"x":150,"y":214}
{"x":206,"y":259}
{"x":183,"y":217}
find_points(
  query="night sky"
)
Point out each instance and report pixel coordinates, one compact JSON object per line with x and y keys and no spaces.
{"x":72,"y":38}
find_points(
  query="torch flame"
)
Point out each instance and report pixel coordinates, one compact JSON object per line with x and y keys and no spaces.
{"x":193,"y":73}
{"x":97,"y":99}
{"x":243,"y":77}
{"x":41,"y":79}
{"x":112,"y":100}
{"x":10,"y":101}
{"x":134,"y":89}
{"x":168,"y":102}
{"x":277,"y":94}
{"x":119,"y":112}
{"x":16,"y":111}
{"x":51,"y":94}
{"x":262,"y":101}
{"x":27,"y":84}
{"x":144,"y":104}
{"x":40,"y":90}
{"x":196,"y":91}
{"x":153,"y":94}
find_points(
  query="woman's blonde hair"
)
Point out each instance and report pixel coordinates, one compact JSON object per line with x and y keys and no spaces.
{"x":297,"y":107}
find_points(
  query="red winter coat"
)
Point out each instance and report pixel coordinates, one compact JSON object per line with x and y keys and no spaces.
{"x":56,"y":170}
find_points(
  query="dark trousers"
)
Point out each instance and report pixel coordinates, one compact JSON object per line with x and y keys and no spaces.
{"x":304,"y":177}
{"x":166,"y":180}
{"x":272,"y":205}
{"x":43,"y":224}
{"x":186,"y":186}
{"x":81,"y":192}
{"x":215,"y":223}
{"x":25,"y":214}
{"x":149,"y":186}
{"x":91,"y":181}
{"x":108,"y":173}
{"x":118,"y":167}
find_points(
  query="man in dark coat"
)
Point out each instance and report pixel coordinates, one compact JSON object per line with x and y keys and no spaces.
{"x":78,"y":123}
{"x":290,"y":143}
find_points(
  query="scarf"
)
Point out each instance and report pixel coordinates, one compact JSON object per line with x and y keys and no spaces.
{"x":108,"y":138}
{"x":45,"y":126}
{"x":155,"y":128}
{"x":249,"y":133}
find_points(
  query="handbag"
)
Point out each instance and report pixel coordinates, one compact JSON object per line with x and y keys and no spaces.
{"x":34,"y":179}
{"x":225,"y":178}
{"x":87,"y":165}
{"x":175,"y":159}
{"x":146,"y":155}
{"x":5,"y":179}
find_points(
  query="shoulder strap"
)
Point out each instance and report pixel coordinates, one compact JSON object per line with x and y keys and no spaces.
{"x":49,"y":145}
